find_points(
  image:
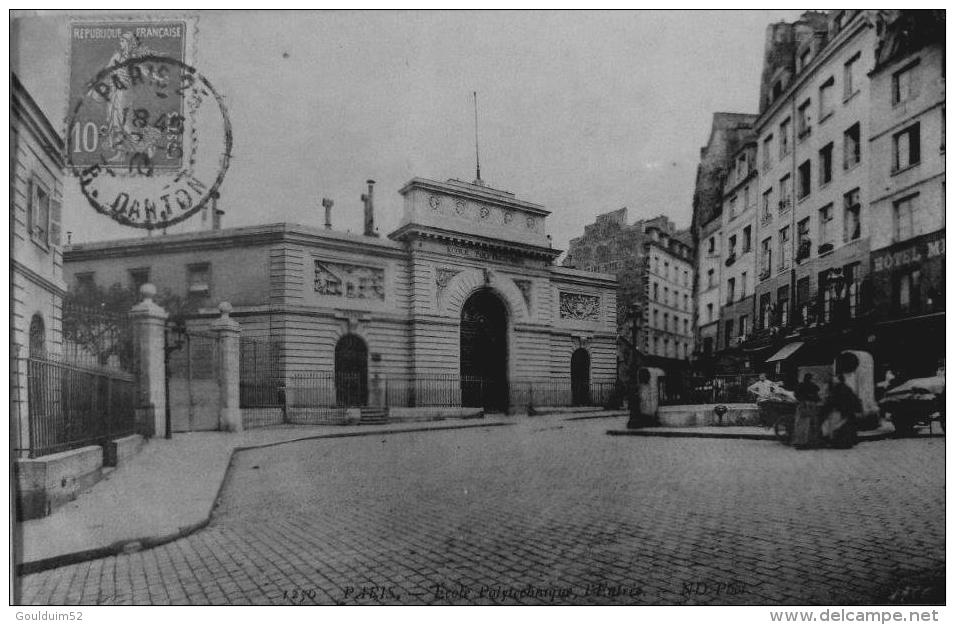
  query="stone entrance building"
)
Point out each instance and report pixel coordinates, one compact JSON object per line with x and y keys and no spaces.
{"x":464,"y":291}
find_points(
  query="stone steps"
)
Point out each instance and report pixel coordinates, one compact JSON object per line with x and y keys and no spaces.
{"x":373,"y":416}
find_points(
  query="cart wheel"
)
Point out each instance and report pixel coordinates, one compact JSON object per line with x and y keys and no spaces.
{"x":783,"y":431}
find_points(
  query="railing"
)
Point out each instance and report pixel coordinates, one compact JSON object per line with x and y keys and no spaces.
{"x":561,"y":393}
{"x":74,"y":405}
{"x":260,"y":380}
{"x":330,"y":390}
{"x":702,"y":390}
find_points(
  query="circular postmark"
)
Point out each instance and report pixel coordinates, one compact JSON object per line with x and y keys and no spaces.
{"x":133,"y":140}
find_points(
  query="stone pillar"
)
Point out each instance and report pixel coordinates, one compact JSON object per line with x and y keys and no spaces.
{"x":227,"y":331}
{"x":149,"y":325}
{"x":644,"y":411}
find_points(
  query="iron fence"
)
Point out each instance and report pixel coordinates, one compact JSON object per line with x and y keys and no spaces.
{"x":564,"y":393}
{"x":674,"y":390}
{"x":72,"y":405}
{"x":260,"y":379}
{"x":325,"y":389}
{"x":330,"y":390}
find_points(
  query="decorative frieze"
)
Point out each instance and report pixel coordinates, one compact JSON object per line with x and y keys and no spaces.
{"x":579,"y":306}
{"x":350,"y":281}
{"x":485,"y":213}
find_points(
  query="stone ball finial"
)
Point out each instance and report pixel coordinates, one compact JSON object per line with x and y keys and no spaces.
{"x":225,"y":308}
{"x":148,"y":291}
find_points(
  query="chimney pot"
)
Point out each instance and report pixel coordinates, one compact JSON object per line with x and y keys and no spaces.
{"x":369,"y":201}
{"x":327,"y":203}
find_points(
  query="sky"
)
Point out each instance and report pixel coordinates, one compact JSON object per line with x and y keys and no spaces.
{"x":583,"y":112}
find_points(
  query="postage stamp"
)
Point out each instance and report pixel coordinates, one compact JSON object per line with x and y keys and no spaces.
{"x":135,"y":121}
{"x":113,"y":126}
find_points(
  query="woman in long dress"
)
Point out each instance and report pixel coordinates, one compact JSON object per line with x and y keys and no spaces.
{"x":842,"y":411}
{"x":806,"y":426}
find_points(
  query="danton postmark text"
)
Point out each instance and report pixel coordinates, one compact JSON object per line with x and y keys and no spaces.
{"x":148,"y":136}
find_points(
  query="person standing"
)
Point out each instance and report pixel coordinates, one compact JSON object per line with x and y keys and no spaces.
{"x":842,"y":410}
{"x":806,"y":427}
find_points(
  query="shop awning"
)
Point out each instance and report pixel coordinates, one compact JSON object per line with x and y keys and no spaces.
{"x":785,"y":352}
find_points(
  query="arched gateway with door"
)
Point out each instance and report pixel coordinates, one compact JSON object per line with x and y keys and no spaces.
{"x":484,"y":352}
{"x":580,"y":377}
{"x":351,"y":371}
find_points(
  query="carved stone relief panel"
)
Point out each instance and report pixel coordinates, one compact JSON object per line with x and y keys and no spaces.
{"x":443,"y":276}
{"x":579,"y":306}
{"x":349,"y":281}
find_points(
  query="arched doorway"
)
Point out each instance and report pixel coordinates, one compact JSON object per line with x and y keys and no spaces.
{"x":580,"y":377}
{"x":351,"y":371}
{"x":484,"y":352}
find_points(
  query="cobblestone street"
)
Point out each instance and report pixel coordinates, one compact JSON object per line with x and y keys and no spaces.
{"x":546,"y":511}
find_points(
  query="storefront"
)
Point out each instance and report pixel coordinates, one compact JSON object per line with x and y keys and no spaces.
{"x":909,"y":301}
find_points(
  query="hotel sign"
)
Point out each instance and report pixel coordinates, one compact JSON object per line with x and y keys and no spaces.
{"x":912,"y":253}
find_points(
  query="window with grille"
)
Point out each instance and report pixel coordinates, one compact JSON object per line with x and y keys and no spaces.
{"x":767,"y":204}
{"x":37,"y":337}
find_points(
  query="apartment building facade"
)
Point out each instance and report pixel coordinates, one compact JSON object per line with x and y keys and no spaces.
{"x":728,"y":132}
{"x":738,"y":260}
{"x":653,"y":263}
{"x":848,"y":227}
{"x":907,"y":182}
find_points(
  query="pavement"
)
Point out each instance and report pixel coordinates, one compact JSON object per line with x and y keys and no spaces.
{"x":546,"y":510}
{"x":747,"y":432}
{"x":169,"y":490}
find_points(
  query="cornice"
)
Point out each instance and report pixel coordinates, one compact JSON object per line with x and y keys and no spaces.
{"x":482,"y":194}
{"x":269,"y":234}
{"x":25,"y":108}
{"x":410,"y":231}
{"x":35,"y":277}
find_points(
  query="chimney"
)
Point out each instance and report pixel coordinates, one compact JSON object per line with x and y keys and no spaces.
{"x":216,"y":213}
{"x":369,"y":200}
{"x":327,"y":203}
